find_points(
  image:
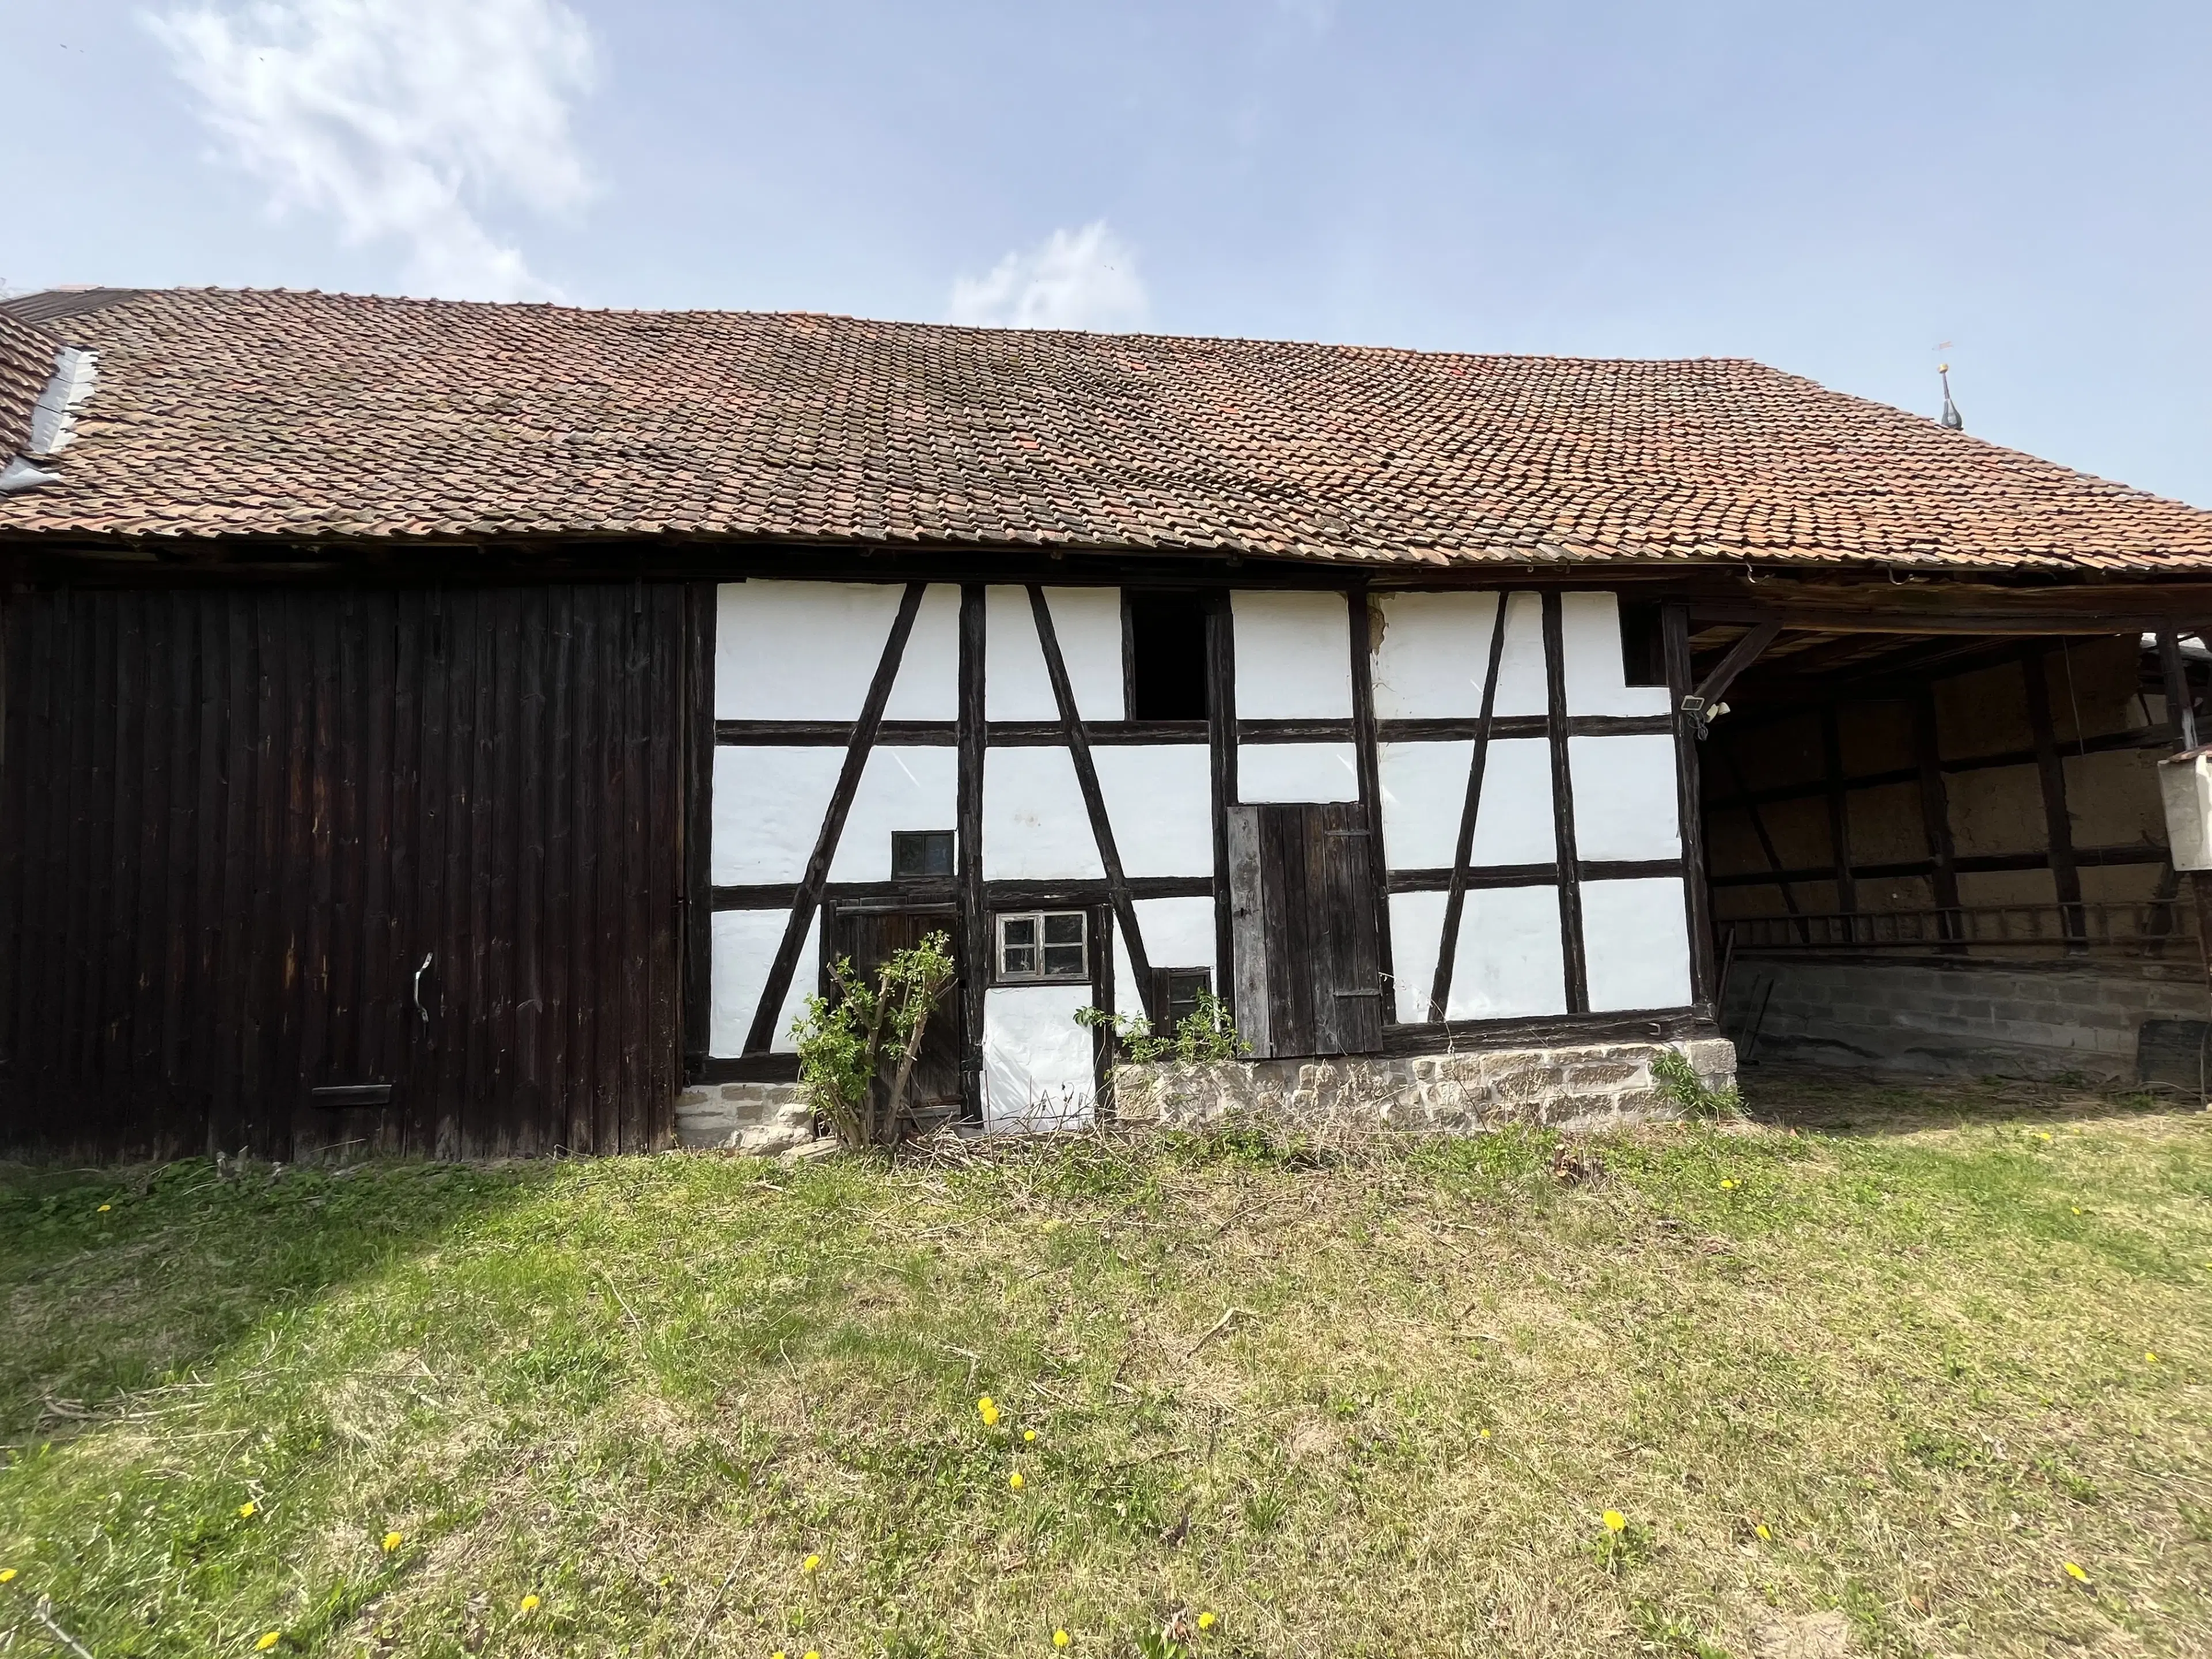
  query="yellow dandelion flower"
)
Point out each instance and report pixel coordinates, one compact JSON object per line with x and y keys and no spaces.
{"x":1615,"y":1521}
{"x":2077,"y":1209}
{"x":2076,"y":1574}
{"x":812,"y":1653}
{"x":1207,"y":1621}
{"x":7,"y":1575}
{"x":987,"y":1409}
{"x":269,"y":1639}
{"x":1725,"y":1184}
{"x":779,"y":1654}
{"x":1484,"y":1433}
{"x":393,"y":1540}
{"x":1030,"y":1435}
{"x":529,"y":1604}
{"x":1761,"y":1531}
{"x":811,"y":1563}
{"x":1015,"y":1479}
{"x":104,"y":1209}
{"x":1060,"y":1638}
{"x":2149,"y":1358}
{"x":246,"y":1510}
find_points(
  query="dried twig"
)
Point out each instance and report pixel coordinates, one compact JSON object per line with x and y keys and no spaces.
{"x":691,"y":1647}
{"x":1221,"y":1326}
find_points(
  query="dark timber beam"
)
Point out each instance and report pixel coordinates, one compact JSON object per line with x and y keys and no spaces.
{"x":1463,"y":847}
{"x":833,"y":823}
{"x":1371,"y":786}
{"x":696,"y":824}
{"x":1839,"y":807}
{"x":1221,"y":738}
{"x":1740,"y":656}
{"x":1934,"y":803}
{"x":1094,"y":802}
{"x":1563,"y":812}
{"x":1689,"y":806}
{"x":976,"y":943}
{"x":2051,"y":774}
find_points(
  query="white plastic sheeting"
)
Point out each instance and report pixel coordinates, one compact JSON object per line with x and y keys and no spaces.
{"x":1036,"y":1060}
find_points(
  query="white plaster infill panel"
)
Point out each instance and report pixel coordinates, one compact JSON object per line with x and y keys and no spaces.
{"x":769,"y":802}
{"x":1433,"y":654}
{"x":1087,"y":622}
{"x":1513,"y":825}
{"x":1625,"y":804}
{"x":742,"y":949}
{"x":1159,"y":799}
{"x":1036,"y":1060}
{"x":1637,"y":944}
{"x":901,"y":788}
{"x":1597,"y":682}
{"x":1523,"y":688}
{"x":1510,"y":963}
{"x":1293,"y":657}
{"x":798,"y":651}
{"x":1423,"y":792}
{"x":1296,"y":772}
{"x":1417,"y":925}
{"x":928,"y":683}
{"x":1034,"y":826}
{"x":1178,"y":934}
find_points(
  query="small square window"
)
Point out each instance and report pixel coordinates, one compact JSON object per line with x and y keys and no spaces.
{"x":921,"y":853}
{"x":1184,"y":987}
{"x":1044,"y":945}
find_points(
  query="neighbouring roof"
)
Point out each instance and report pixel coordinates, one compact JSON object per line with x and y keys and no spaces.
{"x":229,"y":414}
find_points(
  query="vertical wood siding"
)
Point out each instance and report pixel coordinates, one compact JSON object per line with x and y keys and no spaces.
{"x":232,"y":823}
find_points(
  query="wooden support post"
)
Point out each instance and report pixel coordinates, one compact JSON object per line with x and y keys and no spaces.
{"x":2058,"y":825}
{"x":696,"y":824}
{"x":1690,"y":805}
{"x":1370,"y":792}
{"x":1935,"y":812}
{"x":1221,"y":740}
{"x":976,"y":943}
{"x":1562,"y":810}
{"x":1840,"y":809}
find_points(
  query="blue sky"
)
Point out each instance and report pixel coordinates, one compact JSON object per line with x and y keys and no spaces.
{"x":1837,"y":190}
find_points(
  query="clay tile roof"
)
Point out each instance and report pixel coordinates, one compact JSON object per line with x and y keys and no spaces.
{"x":225,"y":414}
{"x":27,"y":363}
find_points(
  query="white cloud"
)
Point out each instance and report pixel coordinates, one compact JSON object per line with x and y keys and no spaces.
{"x":1084,"y":279}
{"x":399,"y":118}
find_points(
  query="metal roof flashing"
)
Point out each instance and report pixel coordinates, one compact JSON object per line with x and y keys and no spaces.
{"x":54,"y":419}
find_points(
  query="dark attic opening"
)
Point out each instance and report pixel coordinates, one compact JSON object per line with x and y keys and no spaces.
{"x":1950,"y":854}
{"x":1166,"y":665}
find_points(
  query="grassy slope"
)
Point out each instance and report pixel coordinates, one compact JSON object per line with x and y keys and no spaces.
{"x":645,"y":1390}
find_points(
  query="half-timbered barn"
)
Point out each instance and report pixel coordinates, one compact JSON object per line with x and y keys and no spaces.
{"x":472,"y":729}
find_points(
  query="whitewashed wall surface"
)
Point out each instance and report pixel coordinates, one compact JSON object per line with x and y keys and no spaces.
{"x":803,"y":655}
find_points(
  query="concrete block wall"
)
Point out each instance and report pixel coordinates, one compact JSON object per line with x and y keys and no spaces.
{"x":1569,"y":1087}
{"x":1973,"y":1017}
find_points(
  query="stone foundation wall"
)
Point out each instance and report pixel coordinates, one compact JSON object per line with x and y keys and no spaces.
{"x":1569,"y":1088}
{"x":1973,"y":1016}
{"x":762,"y":1118}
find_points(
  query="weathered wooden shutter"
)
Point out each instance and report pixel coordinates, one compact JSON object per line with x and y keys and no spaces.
{"x":1307,"y":972}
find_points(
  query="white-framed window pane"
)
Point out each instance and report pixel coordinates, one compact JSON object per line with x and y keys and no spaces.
{"x":1044,"y":945}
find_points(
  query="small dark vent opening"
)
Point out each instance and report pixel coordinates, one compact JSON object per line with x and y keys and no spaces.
{"x":1167,"y":657}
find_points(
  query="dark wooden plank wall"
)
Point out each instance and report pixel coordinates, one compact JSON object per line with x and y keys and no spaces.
{"x":231,"y":823}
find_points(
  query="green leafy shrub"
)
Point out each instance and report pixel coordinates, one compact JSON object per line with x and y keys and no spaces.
{"x":845,"y":1045}
{"x":1679,"y":1082}
{"x":1205,"y":1034}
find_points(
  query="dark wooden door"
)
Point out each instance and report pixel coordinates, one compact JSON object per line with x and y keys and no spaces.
{"x":234,"y":824}
{"x":870,"y":938}
{"x":1307,"y":940}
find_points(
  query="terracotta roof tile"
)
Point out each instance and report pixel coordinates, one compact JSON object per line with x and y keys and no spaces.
{"x":221,"y":413}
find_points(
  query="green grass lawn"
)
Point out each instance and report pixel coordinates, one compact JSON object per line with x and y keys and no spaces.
{"x":1864,"y":1387}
